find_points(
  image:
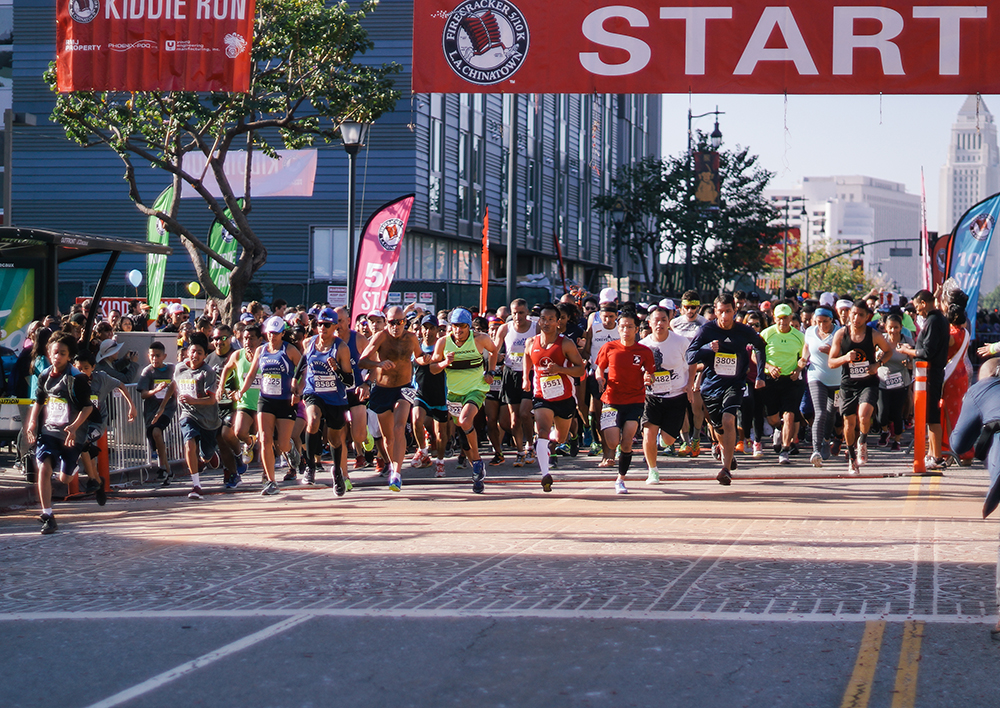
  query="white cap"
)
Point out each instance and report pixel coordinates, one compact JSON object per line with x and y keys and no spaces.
{"x":376,"y":313}
{"x":828,"y":300}
{"x":667,"y":304}
{"x":175,"y":308}
{"x":274,"y":325}
{"x":608,"y":295}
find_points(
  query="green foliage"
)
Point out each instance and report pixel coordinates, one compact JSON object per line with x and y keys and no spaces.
{"x":725,"y":241}
{"x":838,"y":276}
{"x":305,"y":83}
{"x":991,"y":301}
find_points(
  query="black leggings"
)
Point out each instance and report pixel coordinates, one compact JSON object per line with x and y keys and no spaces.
{"x":891,"y":404}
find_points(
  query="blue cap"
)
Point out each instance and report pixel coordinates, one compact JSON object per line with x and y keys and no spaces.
{"x":327,"y":314}
{"x":247,"y":317}
{"x":460,"y":316}
{"x":429,"y":320}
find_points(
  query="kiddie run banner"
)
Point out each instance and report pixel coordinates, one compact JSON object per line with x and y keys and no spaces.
{"x":970,"y":241}
{"x":739,"y":46}
{"x":378,"y":255}
{"x":153,"y":45}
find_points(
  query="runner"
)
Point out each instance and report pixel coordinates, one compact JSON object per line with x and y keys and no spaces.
{"x":687,"y":324}
{"x":394,"y":349}
{"x":603,"y":329}
{"x":431,"y":406}
{"x":667,"y":398}
{"x":824,"y":382}
{"x":277,"y":362}
{"x":783,"y":384}
{"x":468,"y":374}
{"x":326,"y":363}
{"x":514,"y":335}
{"x":723,"y":346}
{"x":234,"y":374}
{"x":622,"y":370}
{"x":854,"y":346}
{"x":357,"y":396}
{"x":228,"y":444}
{"x":555,"y":360}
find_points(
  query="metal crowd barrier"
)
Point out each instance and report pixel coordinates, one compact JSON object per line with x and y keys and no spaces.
{"x":128,"y":448}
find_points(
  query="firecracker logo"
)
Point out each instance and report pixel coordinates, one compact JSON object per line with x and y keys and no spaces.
{"x":485,"y":41}
{"x":235,"y":45}
{"x":84,"y":11}
{"x":981,"y":227}
{"x":390,"y":233}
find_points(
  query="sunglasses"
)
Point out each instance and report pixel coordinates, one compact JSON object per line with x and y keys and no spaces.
{"x":326,"y":325}
{"x":220,"y":339}
{"x":396,"y":321}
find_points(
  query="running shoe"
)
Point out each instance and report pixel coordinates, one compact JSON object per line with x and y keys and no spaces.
{"x":195,"y":493}
{"x":835,"y":448}
{"x":653,"y":477}
{"x":339,"y":485}
{"x":308,"y":478}
{"x":724,"y":478}
{"x":716,"y":452}
{"x":670,"y":451}
{"x":233,"y":482}
{"x":894,"y":447}
{"x":739,"y":447}
{"x":852,"y":466}
{"x":758,"y":450}
{"x":241,"y":468}
{"x":215,"y":461}
{"x":167,"y":479}
{"x":695,"y":448}
{"x":588,"y":438}
{"x":418,"y":459}
{"x":497,"y":460}
{"x":439,"y":468}
{"x":562,"y":450}
{"x":247,"y":450}
{"x":348,"y":484}
{"x":395,"y":482}
{"x":783,"y":458}
{"x":816,"y":459}
{"x":620,"y":487}
{"x":478,"y":475}
{"x":519,"y":460}
{"x":776,"y":440}
{"x":381,"y":467}
{"x":684,"y":450}
{"x":862,"y":453}
{"x":595,"y":449}
{"x":883,"y":439}
{"x":546,"y":482}
{"x":360,"y":462}
{"x":270,"y":489}
{"x":49,"y":524}
{"x":290,"y":475}
{"x":529,"y":457}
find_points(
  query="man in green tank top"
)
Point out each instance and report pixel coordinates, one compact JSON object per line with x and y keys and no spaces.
{"x":469,"y":377}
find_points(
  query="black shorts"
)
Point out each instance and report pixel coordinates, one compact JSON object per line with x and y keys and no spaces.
{"x":64,"y":458}
{"x":592,"y":389}
{"x":623,"y":413}
{"x":496,"y":391}
{"x":727,"y":400}
{"x":280,"y":408}
{"x":334,"y":415}
{"x":565,"y":409}
{"x":226,"y":414}
{"x":667,"y":414}
{"x":385,"y":398}
{"x":782,"y":395}
{"x":512,"y":388}
{"x":438,"y":413}
{"x":161,"y":424}
{"x":935,"y":385}
{"x":352,"y":398}
{"x":851,"y":397}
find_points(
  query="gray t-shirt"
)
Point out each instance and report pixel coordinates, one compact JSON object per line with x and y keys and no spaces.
{"x":148,"y":380}
{"x":197,"y":383}
{"x":101,"y":386}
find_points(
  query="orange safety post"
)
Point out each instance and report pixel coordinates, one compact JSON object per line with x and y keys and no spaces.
{"x":103,"y":462}
{"x":919,"y":416}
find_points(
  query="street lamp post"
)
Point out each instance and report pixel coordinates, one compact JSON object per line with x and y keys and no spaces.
{"x":353,"y":134}
{"x":716,"y":141}
{"x":618,"y":214}
{"x":784,"y":242}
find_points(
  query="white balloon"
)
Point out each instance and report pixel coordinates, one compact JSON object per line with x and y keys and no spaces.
{"x":134,"y":277}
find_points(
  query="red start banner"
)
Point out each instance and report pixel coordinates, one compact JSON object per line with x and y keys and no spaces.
{"x":713,"y":46}
{"x":154,"y":45}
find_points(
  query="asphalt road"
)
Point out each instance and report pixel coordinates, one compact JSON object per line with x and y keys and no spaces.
{"x":793,"y":587}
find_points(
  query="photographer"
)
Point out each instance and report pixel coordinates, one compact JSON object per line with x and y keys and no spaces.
{"x":122,"y":368}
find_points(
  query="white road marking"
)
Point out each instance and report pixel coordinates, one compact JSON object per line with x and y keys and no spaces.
{"x":202,"y":661}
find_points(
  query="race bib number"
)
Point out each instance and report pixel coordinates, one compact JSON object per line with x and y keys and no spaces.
{"x":161,"y":394}
{"x":270,"y":384}
{"x":725,"y":364}
{"x":187,"y":387}
{"x":325,"y":384}
{"x":515,"y":360}
{"x":859,"y":370}
{"x":662,"y":382}
{"x":609,"y":417}
{"x":409,"y":395}
{"x":455,"y":408}
{"x":56,"y":412}
{"x":496,"y":385}
{"x":552,"y":387}
{"x":891,"y":380}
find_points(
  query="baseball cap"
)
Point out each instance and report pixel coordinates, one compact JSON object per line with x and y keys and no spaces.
{"x":247,"y":318}
{"x":327,"y":314}
{"x":429,"y":320}
{"x":460,"y":316}
{"x":765,"y":306}
{"x":667,"y":304}
{"x":175,"y":309}
{"x":274,"y":325}
{"x":783,"y":310}
{"x":608,"y":295}
{"x":828,"y":299}
{"x":375,"y":313}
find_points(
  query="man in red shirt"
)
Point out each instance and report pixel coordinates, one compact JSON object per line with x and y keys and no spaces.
{"x":624,"y":368}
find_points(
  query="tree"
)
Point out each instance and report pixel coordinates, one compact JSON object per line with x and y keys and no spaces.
{"x":838,"y":275}
{"x":305,"y":83}
{"x":663,"y":215}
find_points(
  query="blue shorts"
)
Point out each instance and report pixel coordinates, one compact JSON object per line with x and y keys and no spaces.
{"x":206,"y":438}
{"x":64,"y":458}
{"x":385,"y":398}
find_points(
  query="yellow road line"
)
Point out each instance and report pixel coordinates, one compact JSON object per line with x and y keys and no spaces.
{"x":905,"y":692}
{"x":860,"y":686}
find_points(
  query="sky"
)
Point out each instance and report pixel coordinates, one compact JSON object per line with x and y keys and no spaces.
{"x":886,"y":137}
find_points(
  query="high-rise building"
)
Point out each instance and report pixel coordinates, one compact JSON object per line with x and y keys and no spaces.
{"x":450,"y":150}
{"x":971,"y":174}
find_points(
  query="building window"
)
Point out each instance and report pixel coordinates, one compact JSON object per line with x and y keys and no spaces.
{"x":329,"y":253}
{"x":436,"y":173}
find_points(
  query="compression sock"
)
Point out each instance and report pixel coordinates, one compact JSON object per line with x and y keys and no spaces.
{"x":542,"y":453}
{"x":624,"y":462}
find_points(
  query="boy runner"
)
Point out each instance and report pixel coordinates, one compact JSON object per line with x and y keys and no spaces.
{"x":157,"y":407}
{"x":195,"y":385}
{"x":667,"y":395}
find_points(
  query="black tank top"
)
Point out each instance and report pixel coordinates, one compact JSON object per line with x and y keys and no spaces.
{"x":854,"y":374}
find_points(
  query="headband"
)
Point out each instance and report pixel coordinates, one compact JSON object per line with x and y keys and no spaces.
{"x":824,"y":311}
{"x":689,"y":303}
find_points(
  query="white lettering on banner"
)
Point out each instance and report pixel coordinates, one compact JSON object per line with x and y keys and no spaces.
{"x":148,"y":9}
{"x":950,"y":24}
{"x":795,"y":49}
{"x":845,"y":41}
{"x":695,"y":19}
{"x":593,"y":29}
